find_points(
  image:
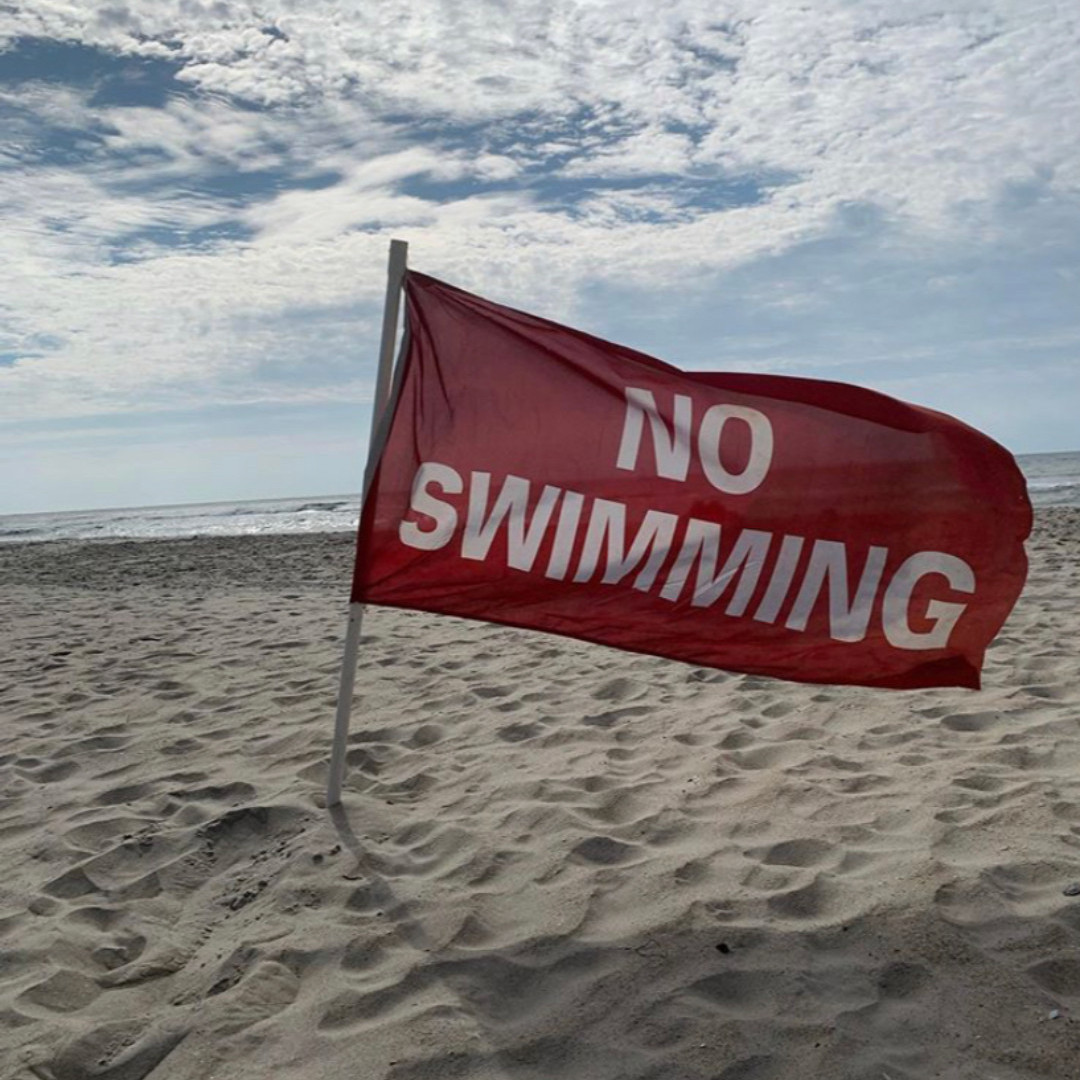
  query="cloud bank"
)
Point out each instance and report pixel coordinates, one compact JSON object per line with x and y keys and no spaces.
{"x":197,"y":196}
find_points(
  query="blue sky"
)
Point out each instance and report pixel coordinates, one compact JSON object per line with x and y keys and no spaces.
{"x":197,"y":199}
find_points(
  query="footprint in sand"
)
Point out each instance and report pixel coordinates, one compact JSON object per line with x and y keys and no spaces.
{"x":775,"y":755}
{"x":98,"y":918}
{"x":618,"y":689}
{"x":745,"y":994}
{"x":52,"y":773}
{"x":611,"y":717}
{"x":903,"y":980}
{"x":690,"y":738}
{"x":808,"y":902}
{"x":976,"y":721}
{"x":363,"y":954}
{"x":125,"y":949}
{"x":800,"y":852}
{"x":492,"y":691}
{"x":758,"y":1067}
{"x":778,"y":710}
{"x":519,"y":732}
{"x":126,"y":793}
{"x":94,"y":743}
{"x":236,"y":792}
{"x":62,"y":992}
{"x":1059,"y":976}
{"x":70,"y":885}
{"x":603,"y":851}
{"x":737,"y":740}
{"x":119,"y":1050}
{"x":425,"y":735}
{"x":269,"y":988}
{"x":694,"y":872}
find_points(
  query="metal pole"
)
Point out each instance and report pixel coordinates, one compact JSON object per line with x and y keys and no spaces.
{"x":394,"y":279}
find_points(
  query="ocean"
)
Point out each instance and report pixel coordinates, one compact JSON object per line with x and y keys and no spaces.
{"x":1052,"y":479}
{"x":325,"y":513}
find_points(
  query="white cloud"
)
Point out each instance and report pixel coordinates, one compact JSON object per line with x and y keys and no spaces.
{"x":648,"y":152}
{"x":933,"y":116}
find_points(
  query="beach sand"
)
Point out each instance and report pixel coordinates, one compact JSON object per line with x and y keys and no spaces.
{"x":554,"y":861}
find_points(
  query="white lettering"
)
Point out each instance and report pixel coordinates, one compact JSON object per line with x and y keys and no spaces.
{"x":523,"y":538}
{"x":605,"y":546}
{"x":702,"y":542}
{"x":565,"y":534}
{"x":828,"y":559}
{"x":761,"y":448}
{"x":608,"y":518}
{"x":784,"y":570}
{"x":671,"y":448}
{"x":894,"y":608}
{"x":421,"y":501}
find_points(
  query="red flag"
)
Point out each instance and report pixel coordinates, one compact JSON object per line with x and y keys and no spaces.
{"x":536,"y":476}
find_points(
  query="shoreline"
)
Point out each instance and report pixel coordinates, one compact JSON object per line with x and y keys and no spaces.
{"x":1045,"y":518}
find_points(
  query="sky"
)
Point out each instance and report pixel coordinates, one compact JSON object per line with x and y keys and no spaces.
{"x":197,"y":198}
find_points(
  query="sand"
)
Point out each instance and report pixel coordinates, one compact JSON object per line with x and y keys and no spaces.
{"x":554,"y":861}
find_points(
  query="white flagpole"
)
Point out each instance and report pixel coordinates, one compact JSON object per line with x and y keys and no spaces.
{"x":394,"y":280}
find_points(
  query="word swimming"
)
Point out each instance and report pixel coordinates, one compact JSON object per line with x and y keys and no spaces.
{"x":568,"y":536}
